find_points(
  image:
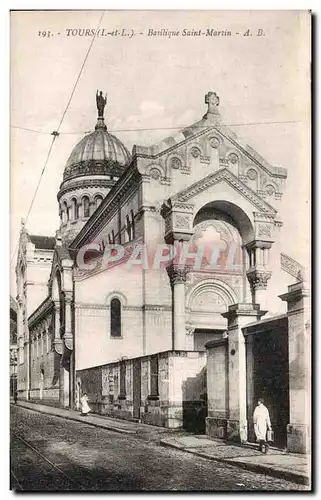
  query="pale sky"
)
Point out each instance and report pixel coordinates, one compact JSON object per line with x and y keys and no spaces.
{"x":159,"y":83}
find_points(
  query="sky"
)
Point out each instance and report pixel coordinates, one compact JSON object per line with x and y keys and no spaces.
{"x":156,"y":84}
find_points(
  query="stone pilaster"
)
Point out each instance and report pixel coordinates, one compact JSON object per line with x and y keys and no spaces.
{"x":217,"y":388}
{"x":68,"y":336}
{"x":58,"y":342}
{"x":238,"y":316}
{"x":299,"y":335}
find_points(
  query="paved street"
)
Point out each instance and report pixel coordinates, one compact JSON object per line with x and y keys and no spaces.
{"x":50,"y":453}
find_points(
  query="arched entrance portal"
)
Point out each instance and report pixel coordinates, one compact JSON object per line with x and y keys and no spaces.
{"x":221,"y":279}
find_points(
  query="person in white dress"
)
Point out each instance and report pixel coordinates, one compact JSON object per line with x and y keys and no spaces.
{"x":85,"y":408}
{"x":262,"y":423}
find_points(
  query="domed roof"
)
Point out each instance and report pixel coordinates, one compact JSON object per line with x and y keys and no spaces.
{"x":98,"y":153}
{"x":99,"y":145}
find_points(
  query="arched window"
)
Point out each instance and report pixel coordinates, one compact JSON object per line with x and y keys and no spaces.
{"x":69,"y":213}
{"x":98,"y":200}
{"x":64,"y":212}
{"x":115,"y":318}
{"x":74,"y":209}
{"x":132,"y":217}
{"x":128,"y":229}
{"x":85,"y":202}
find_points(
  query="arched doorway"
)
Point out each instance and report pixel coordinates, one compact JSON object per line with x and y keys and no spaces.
{"x":220,"y":280}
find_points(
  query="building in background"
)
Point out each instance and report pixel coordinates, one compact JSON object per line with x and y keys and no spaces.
{"x":13,"y":346}
{"x":161,"y":343}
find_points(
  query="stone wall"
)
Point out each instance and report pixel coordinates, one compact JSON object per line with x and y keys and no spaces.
{"x":167,"y":389}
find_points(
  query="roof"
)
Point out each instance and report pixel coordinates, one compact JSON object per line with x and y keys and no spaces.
{"x":43,"y":242}
{"x":13,"y":305}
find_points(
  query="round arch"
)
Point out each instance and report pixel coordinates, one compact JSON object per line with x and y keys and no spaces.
{"x":230,"y":212}
{"x":213,"y":285}
{"x":116,"y":295}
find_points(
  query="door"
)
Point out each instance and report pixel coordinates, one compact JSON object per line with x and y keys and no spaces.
{"x":136,"y":388}
{"x":271,"y":379}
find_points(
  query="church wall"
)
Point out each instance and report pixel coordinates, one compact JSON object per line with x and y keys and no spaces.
{"x":181,"y":386}
{"x":94,"y":345}
{"x":37,"y":282}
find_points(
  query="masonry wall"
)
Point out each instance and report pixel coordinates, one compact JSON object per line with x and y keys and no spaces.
{"x":178,"y":401}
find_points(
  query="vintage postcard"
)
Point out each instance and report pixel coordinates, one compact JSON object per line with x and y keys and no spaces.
{"x":160,"y":330}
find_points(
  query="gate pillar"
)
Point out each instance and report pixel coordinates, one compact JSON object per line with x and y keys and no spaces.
{"x":238,"y":316}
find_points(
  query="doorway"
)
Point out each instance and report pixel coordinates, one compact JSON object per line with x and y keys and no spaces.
{"x":271,"y":379}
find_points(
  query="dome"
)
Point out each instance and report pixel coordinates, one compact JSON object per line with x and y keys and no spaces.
{"x":98,"y":153}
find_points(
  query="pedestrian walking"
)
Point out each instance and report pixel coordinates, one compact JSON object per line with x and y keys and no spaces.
{"x":262,"y":424}
{"x":85,"y":408}
{"x":15,"y":397}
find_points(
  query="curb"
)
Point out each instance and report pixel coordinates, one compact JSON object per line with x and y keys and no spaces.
{"x":79,"y":419}
{"x":260,"y":469}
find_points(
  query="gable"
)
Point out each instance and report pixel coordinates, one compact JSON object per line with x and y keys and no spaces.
{"x":223,"y":175}
{"x":217,"y":147}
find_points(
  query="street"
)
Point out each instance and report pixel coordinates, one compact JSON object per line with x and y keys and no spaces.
{"x":49,"y":453}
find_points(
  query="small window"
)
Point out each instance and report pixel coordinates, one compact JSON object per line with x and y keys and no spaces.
{"x":128,"y":229}
{"x":98,"y":200}
{"x":85,"y":206}
{"x":74,"y":209}
{"x":48,"y":341}
{"x":133,"y":224}
{"x":64,"y":213}
{"x":115,"y":318}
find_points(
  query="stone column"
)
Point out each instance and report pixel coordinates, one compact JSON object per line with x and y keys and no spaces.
{"x":238,"y":316}
{"x":258,"y":273}
{"x":299,"y":317}
{"x":177,"y":275}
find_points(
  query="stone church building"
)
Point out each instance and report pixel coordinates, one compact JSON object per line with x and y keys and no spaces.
{"x":115,"y":305}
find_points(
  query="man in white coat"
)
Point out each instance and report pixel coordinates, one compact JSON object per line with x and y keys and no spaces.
{"x":262,"y":424}
{"x":85,"y":409}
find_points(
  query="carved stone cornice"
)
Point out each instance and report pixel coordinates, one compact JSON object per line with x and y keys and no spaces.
{"x":41,"y":312}
{"x":85,"y":183}
{"x":290,"y":265}
{"x":93,"y":167}
{"x":258,"y":279}
{"x":177,"y":274}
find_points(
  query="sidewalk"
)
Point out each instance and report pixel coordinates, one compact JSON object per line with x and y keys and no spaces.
{"x":277,"y":463}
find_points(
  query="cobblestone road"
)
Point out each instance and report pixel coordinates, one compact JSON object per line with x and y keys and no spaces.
{"x":50,"y":453}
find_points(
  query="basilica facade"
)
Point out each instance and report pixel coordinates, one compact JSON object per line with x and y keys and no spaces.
{"x":160,"y":294}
